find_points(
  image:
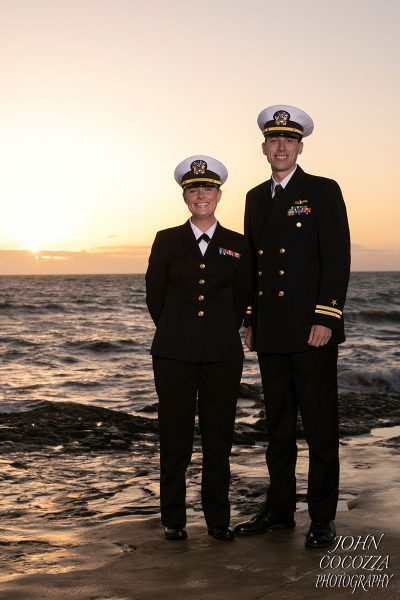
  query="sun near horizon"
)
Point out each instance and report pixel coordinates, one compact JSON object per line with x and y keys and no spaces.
{"x":101,"y":101}
{"x":78,"y":205}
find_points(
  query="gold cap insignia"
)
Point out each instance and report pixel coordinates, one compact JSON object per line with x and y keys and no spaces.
{"x":199,"y":167}
{"x":281,"y":117}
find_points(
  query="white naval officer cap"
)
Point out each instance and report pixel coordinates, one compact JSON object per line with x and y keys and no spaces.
{"x":201,"y":171}
{"x":285,"y":120}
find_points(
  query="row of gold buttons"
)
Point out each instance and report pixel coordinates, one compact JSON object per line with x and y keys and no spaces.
{"x":280,"y":272}
{"x":201,"y":296}
{"x":281,"y":293}
{"x":281,"y":250}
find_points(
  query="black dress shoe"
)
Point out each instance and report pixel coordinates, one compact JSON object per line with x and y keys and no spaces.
{"x":265,"y":521}
{"x":223,"y":533}
{"x":321,"y":534}
{"x":175,"y":534}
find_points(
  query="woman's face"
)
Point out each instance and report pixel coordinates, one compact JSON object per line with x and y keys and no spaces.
{"x":202,"y":201}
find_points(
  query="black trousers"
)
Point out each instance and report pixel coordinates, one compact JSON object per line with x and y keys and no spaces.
{"x":215,"y":386}
{"x":305,"y":381}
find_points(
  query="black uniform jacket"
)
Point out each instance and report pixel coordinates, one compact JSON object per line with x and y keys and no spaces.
{"x":301,"y":251}
{"x":198,"y":302}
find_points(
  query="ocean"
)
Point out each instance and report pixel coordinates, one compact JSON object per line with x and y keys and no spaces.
{"x":87,"y":338}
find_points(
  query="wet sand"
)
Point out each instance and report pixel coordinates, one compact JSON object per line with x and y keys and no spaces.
{"x":85,"y":525}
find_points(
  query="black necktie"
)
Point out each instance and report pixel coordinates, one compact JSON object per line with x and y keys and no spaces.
{"x":278,"y":189}
{"x":204,"y":237}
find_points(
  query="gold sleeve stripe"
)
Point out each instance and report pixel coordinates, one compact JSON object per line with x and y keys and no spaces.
{"x":325,"y":312}
{"x":335,"y":310}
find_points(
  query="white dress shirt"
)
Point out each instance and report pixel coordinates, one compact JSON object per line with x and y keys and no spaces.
{"x":203,"y":245}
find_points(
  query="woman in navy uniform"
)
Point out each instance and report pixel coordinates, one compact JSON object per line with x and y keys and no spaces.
{"x":299,"y":237}
{"x":198,"y":285}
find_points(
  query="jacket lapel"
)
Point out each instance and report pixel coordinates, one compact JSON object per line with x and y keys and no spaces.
{"x":286,"y":198}
{"x":215,"y":242}
{"x":263,"y":206}
{"x":189,"y":239}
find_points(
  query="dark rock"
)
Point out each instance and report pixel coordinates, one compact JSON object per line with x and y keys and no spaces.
{"x":358,"y":414}
{"x":153,"y":408}
{"x":73,"y":427}
{"x":251,"y":391}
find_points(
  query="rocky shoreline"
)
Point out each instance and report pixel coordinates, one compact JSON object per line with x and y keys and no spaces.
{"x":75,"y":427}
{"x":68,"y":469}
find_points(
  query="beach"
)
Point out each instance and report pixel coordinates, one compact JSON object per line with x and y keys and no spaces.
{"x":130,"y":560}
{"x":80,"y":516}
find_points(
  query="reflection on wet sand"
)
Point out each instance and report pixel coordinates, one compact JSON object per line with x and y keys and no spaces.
{"x":51,"y":494}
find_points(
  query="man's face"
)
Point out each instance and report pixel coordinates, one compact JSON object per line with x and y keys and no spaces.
{"x":202,"y":201}
{"x":282,"y":153}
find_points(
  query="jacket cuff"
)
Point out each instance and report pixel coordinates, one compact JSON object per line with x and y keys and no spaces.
{"x":328,"y":316}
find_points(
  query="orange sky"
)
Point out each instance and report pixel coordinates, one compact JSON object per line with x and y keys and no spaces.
{"x":100,"y":100}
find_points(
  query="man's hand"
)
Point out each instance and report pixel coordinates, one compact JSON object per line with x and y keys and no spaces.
{"x":249,"y":338}
{"x":319,"y":336}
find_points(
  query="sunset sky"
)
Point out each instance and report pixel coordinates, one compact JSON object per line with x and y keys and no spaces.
{"x":100,"y":99}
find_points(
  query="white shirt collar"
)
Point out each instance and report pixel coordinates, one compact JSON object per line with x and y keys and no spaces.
{"x":284,"y":181}
{"x":197,"y":232}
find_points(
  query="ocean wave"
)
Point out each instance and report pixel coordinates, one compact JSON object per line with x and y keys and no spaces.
{"x":372,"y":380}
{"x":18,"y":341}
{"x":103,"y":345}
{"x":81,"y":384}
{"x":17,"y":406}
{"x":47,"y":306}
{"x":380,"y":315}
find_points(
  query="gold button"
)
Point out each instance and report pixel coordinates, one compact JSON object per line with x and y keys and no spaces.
{"x":202,"y":266}
{"x":281,"y":272}
{"x":298,"y":224}
{"x":201,"y":313}
{"x":260,"y":293}
{"x":260,"y":252}
{"x":260,"y":272}
{"x":280,"y":294}
{"x":202,"y":281}
{"x":282,"y":250}
{"x":201,"y":297}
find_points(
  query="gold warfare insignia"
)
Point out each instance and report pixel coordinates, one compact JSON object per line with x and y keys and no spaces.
{"x":199,"y":167}
{"x":301,"y":202}
{"x":281,"y":117}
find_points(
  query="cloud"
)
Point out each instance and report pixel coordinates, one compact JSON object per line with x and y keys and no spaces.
{"x":374,"y":259}
{"x":133,"y":259}
{"x":115,"y":259}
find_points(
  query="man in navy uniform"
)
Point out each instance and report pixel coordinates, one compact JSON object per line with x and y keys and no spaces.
{"x":299,"y":235}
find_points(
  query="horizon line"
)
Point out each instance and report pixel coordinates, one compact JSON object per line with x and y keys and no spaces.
{"x":143,"y":273}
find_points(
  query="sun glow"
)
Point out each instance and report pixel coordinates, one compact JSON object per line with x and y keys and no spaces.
{"x":54,"y":188}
